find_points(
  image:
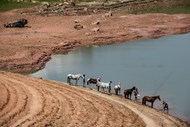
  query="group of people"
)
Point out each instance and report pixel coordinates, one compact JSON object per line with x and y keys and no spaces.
{"x":127,"y":93}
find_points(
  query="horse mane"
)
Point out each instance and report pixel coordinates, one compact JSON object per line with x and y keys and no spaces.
{"x":158,"y":96}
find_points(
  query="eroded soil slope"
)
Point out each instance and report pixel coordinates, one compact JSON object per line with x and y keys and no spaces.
{"x":27,"y":101}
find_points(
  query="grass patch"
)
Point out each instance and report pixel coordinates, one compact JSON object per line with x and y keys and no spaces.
{"x":9,"y":5}
{"x":172,"y":9}
{"x":51,"y":0}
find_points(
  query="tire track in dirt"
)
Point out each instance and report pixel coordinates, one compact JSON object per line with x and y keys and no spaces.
{"x":78,"y":113}
{"x":114,"y":114}
{"x":6,"y":96}
{"x":14,"y":110}
{"x":32,"y":102}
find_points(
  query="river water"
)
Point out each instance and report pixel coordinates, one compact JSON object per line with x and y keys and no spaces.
{"x":155,"y":66}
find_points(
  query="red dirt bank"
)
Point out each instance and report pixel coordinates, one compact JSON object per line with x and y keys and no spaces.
{"x":28,"y":49}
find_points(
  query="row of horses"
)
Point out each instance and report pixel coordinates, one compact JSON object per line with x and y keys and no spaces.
{"x":117,"y":88}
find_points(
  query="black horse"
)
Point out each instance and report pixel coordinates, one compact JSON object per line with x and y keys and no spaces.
{"x":150,"y":99}
{"x":17,"y":23}
{"x":128,"y":92}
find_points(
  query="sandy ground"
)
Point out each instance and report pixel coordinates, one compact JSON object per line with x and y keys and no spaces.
{"x":28,"y":49}
{"x":27,"y":101}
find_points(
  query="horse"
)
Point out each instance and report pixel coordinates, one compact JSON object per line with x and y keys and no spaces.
{"x":128,"y":92}
{"x":117,"y":88}
{"x":93,"y":81}
{"x":104,"y":85}
{"x":75,"y":77}
{"x":150,"y":99}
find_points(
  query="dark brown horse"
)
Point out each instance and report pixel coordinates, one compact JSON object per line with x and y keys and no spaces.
{"x":93,"y":81}
{"x":128,"y":92}
{"x":150,"y":99}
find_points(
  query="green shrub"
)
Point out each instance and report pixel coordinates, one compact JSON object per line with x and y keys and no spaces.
{"x":6,"y":5}
{"x":173,"y":9}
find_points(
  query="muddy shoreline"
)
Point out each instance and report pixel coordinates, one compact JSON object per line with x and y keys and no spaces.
{"x":28,"y":49}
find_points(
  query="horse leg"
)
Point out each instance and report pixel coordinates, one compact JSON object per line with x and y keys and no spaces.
{"x":76,"y":81}
{"x":109,"y":89}
{"x":127,"y":96}
{"x":116,"y":91}
{"x":152,"y":105}
{"x":143,"y":102}
{"x":67,"y":79}
{"x":98,"y":87}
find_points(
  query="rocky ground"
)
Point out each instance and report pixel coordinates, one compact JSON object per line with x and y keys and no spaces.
{"x":27,"y":101}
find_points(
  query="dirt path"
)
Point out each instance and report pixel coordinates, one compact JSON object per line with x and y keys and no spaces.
{"x":27,"y":101}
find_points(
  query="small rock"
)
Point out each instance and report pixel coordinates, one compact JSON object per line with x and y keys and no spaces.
{"x":85,"y":9}
{"x":76,"y":21}
{"x":67,"y":3}
{"x":78,"y":26}
{"x":33,"y":1}
{"x":87,"y":34}
{"x":96,"y":29}
{"x":46,"y":4}
{"x":109,"y":14}
{"x":60,"y":4}
{"x":96,"y":23}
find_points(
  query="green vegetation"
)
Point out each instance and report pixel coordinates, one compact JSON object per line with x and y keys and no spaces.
{"x":6,"y":5}
{"x":50,"y":0}
{"x":173,"y":9}
{"x":63,"y":0}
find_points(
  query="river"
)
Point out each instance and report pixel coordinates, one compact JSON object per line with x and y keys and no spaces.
{"x":155,"y":66}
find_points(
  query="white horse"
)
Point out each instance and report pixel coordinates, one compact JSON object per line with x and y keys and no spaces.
{"x":117,"y":88}
{"x":104,"y":85}
{"x":75,"y":77}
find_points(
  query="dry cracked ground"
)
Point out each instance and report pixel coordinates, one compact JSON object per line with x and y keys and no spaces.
{"x":27,"y":101}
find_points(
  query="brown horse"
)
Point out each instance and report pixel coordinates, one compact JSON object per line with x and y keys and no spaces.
{"x":150,"y":99}
{"x":91,"y":81}
{"x":128,"y":92}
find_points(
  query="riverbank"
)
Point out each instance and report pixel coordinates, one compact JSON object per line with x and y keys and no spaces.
{"x":32,"y":101}
{"x":28,"y":49}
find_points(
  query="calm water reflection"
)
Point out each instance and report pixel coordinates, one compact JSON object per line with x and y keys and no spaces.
{"x":156,"y":66}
